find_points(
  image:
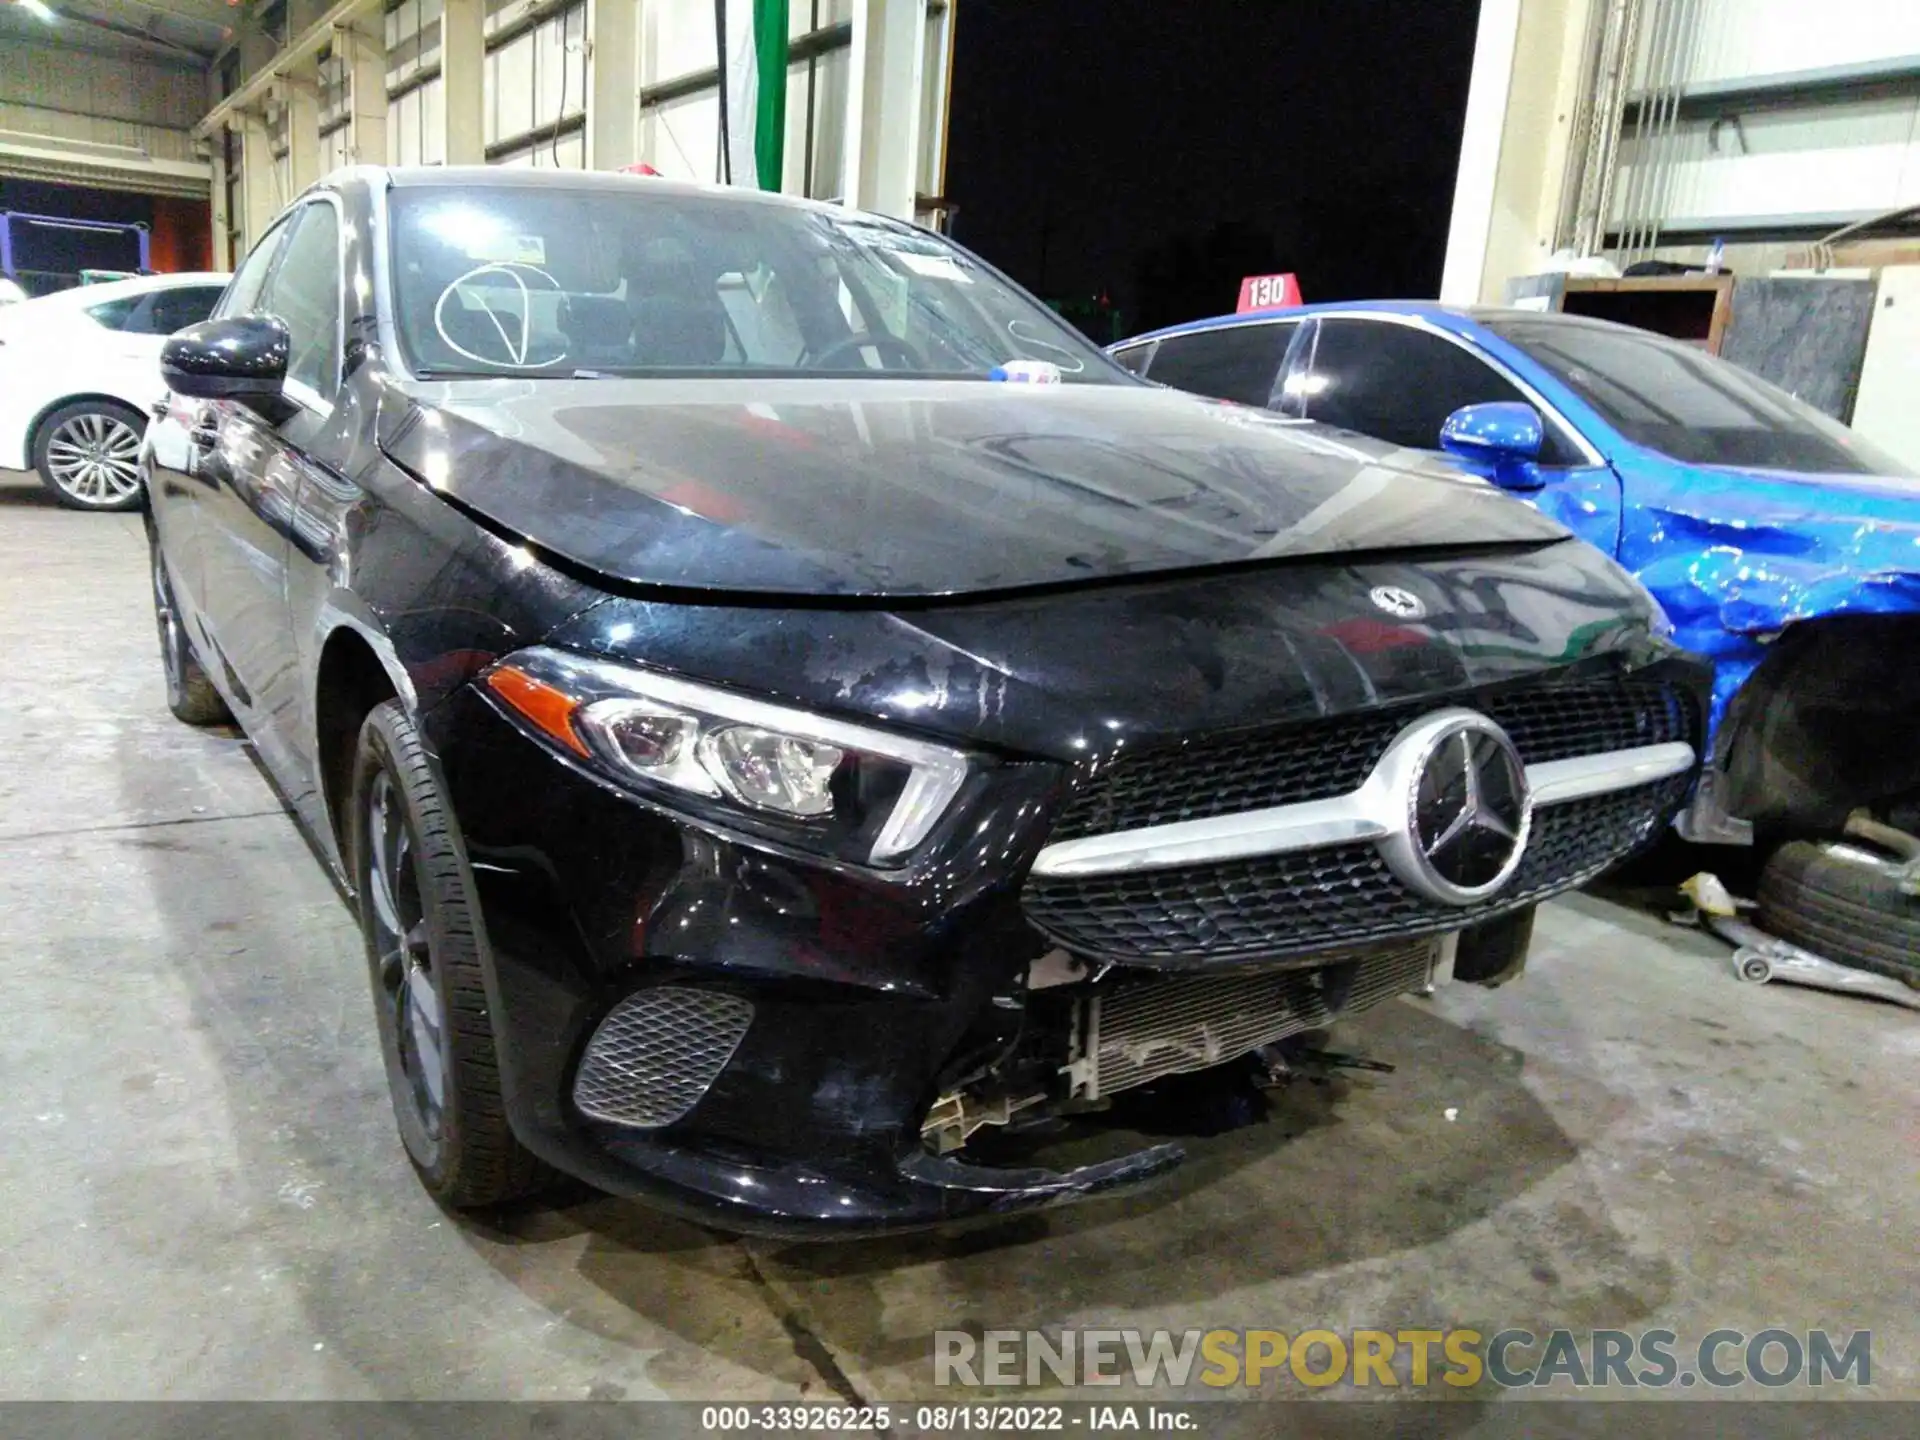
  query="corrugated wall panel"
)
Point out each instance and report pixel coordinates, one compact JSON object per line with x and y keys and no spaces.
{"x":537,"y":79}
{"x":1845,"y":158}
{"x":160,"y":144}
{"x":1740,"y":38}
{"x":55,"y":77}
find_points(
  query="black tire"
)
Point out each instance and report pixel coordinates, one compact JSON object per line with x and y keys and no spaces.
{"x":84,"y":453}
{"x":423,"y":957}
{"x":190,"y":693}
{"x":1841,"y":901}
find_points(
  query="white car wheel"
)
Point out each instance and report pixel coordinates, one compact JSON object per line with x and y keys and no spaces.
{"x":88,"y":455}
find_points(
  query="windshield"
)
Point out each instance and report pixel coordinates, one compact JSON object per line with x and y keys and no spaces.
{"x":1691,"y":405}
{"x":565,"y":282}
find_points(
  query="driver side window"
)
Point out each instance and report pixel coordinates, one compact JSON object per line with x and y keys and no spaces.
{"x":243,"y":291}
{"x":304,"y":292}
{"x":1399,"y":383}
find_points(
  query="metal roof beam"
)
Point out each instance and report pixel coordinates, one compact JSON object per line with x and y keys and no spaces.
{"x":303,"y":47}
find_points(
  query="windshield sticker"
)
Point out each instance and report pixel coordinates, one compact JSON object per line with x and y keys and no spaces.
{"x":494,"y":247}
{"x":934,"y":267}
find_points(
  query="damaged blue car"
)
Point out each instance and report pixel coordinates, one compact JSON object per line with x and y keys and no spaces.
{"x":1783,"y":545}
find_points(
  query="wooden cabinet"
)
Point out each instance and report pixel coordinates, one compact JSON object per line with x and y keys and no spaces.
{"x":1693,"y":308}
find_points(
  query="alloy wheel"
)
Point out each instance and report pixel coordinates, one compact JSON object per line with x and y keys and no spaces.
{"x":403,"y":958}
{"x":94,"y":458}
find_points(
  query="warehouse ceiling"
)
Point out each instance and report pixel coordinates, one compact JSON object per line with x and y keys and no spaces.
{"x":190,"y":30}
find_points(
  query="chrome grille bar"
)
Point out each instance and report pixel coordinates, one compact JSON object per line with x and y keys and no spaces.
{"x":1372,"y":812}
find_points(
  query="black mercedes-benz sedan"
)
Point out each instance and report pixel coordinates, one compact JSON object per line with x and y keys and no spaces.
{"x":792,"y":715}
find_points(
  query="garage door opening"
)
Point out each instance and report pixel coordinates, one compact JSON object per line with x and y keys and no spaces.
{"x":1130,"y":162}
{"x":53,"y":237}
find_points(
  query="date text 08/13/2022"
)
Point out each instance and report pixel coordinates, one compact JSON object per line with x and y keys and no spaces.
{"x":951,"y":1419}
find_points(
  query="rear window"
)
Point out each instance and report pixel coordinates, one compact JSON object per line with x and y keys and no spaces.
{"x":1233,"y":362}
{"x":172,"y":310}
{"x":114,"y":314}
{"x":1693,"y":406}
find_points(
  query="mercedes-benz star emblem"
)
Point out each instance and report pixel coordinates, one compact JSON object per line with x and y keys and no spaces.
{"x":1402,"y":604}
{"x":1469,"y":810}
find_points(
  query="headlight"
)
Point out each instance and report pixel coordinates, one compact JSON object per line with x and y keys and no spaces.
{"x":862,"y":794}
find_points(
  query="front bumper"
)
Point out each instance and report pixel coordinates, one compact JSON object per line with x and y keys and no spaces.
{"x":871,"y":995}
{"x":863,"y":990}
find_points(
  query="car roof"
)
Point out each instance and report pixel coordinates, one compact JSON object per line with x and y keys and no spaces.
{"x":81,"y":296}
{"x":518,"y":177}
{"x":1457,"y":318}
{"x":1449,"y":315}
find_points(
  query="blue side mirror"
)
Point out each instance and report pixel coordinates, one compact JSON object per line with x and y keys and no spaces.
{"x":1500,"y":440}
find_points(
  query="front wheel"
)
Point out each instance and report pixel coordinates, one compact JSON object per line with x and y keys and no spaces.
{"x":424,"y":955}
{"x":88,"y":455}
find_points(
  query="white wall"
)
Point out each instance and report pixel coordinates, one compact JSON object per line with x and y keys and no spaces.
{"x":1854,"y":157}
{"x":414,"y":118}
{"x":536,"y":79}
{"x":1737,"y":39}
{"x":681,"y":138}
{"x":1529,"y":56}
{"x":1834,"y":157}
{"x":336,"y":105}
{"x":539,"y":66}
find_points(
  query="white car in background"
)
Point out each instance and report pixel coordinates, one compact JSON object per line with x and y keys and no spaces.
{"x":78,"y":371}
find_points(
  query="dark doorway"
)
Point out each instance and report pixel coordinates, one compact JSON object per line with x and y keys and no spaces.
{"x":1152,"y":153}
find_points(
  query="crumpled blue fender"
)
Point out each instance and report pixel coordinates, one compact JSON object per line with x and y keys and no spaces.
{"x":1743,"y":557}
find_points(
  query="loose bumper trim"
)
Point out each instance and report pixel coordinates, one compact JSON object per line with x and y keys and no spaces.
{"x":793,"y":1200}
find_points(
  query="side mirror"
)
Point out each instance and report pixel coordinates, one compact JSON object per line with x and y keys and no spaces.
{"x":1501,"y":441}
{"x":243,"y":358}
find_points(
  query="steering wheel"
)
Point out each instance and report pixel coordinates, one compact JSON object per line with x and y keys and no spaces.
{"x":515,"y":346}
{"x":885,"y":344}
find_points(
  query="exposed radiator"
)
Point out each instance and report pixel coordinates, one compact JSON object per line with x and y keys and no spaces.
{"x":1143,"y":1030}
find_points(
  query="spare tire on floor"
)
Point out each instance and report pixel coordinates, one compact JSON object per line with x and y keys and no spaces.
{"x":1842,"y":899}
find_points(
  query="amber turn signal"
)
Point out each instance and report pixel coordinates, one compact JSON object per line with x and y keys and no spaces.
{"x":548,"y":708}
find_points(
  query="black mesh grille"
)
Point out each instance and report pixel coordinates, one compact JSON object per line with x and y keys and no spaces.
{"x":656,"y":1054}
{"x":1558,"y":722}
{"x":1277,"y":905}
{"x":1283,"y":765}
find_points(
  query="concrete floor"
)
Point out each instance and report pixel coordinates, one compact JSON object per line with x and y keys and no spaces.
{"x":201,"y":1195}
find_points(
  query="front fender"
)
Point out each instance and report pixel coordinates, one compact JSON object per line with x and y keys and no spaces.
{"x":1732,"y":583}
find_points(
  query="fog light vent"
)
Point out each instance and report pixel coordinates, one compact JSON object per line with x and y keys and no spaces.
{"x":656,"y":1053}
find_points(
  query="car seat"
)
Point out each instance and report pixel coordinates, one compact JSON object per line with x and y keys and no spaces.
{"x":677,"y":315}
{"x":599,"y":330}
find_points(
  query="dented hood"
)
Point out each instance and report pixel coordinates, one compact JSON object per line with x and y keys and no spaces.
{"x":900,"y":488}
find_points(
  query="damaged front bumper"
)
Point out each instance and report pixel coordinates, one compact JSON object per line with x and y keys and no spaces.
{"x":792,"y":1200}
{"x":757,"y":1040}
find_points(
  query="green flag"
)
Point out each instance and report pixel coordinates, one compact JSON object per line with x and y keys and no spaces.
{"x":756,"y":35}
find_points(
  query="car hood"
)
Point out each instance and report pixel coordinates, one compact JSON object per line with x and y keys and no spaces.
{"x":903,"y":488}
{"x":1831,"y":523}
{"x":1778,"y":494}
